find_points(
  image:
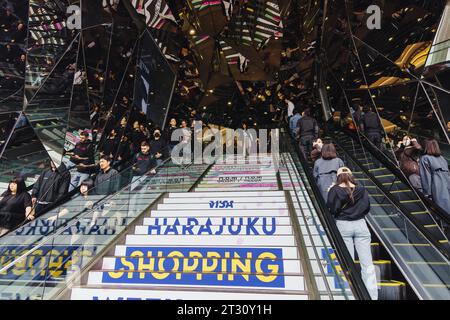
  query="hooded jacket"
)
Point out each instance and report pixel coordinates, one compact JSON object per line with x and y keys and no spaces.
{"x":343,"y":208}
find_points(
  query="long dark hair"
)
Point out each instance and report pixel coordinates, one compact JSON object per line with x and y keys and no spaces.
{"x":347,"y":178}
{"x":21,"y":187}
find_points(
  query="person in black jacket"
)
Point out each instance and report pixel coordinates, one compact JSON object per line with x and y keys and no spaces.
{"x":349,"y":204}
{"x":52,"y":186}
{"x":357,"y":115}
{"x":144,"y":162}
{"x":82,"y":156}
{"x":110,"y":145}
{"x":123,"y":154}
{"x":371,"y":126}
{"x":108,"y":179}
{"x":307,"y":132}
{"x":169,"y":131}
{"x":15,"y":206}
{"x":137,"y":137}
{"x":158,"y":147}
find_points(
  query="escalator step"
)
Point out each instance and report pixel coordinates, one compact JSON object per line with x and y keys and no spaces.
{"x":375,"y":249}
{"x":392,"y":290}
{"x":384,"y":176}
{"x":401,"y":191}
{"x":428,"y":263}
{"x":390,"y":183}
{"x":384,"y":267}
{"x":411,"y":244}
{"x":410,"y":201}
{"x":419,"y":212}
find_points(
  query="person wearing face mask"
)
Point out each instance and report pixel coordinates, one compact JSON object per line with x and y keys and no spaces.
{"x":15,"y":206}
{"x":158,"y":147}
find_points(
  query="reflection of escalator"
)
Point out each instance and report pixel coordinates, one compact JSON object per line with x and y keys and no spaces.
{"x":408,"y":264}
{"x":402,"y":195}
{"x":23,"y":155}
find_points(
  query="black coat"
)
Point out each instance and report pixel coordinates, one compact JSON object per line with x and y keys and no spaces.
{"x":158,"y":146}
{"x":143,"y":163}
{"x":52,"y":185}
{"x":343,"y":208}
{"x":107,"y":182}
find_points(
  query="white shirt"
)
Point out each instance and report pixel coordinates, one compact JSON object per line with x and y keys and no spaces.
{"x":291,"y":108}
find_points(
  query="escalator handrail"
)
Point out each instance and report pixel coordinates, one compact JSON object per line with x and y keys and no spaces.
{"x":408,"y":215}
{"x":346,"y":261}
{"x":384,"y":159}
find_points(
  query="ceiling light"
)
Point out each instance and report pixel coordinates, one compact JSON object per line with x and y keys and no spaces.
{"x":192,"y":32}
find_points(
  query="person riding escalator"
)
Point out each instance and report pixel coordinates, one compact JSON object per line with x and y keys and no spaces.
{"x":307,"y":132}
{"x":372,"y":127}
{"x":435,"y":176}
{"x":15,"y":206}
{"x":408,"y":157}
{"x":325,"y":169}
{"x":349,"y":204}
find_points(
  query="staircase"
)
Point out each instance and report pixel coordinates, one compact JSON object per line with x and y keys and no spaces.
{"x":232,"y":238}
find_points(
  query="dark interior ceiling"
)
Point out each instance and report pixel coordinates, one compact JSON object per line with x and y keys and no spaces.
{"x":237,"y":59}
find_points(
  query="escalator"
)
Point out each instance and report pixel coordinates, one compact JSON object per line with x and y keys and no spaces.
{"x":241,"y":213}
{"x":38,"y":259}
{"x":409,"y":265}
{"x":432,"y":221}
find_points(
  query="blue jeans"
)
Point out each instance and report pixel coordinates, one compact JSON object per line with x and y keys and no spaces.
{"x":356,"y":234}
{"x":77,"y":179}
